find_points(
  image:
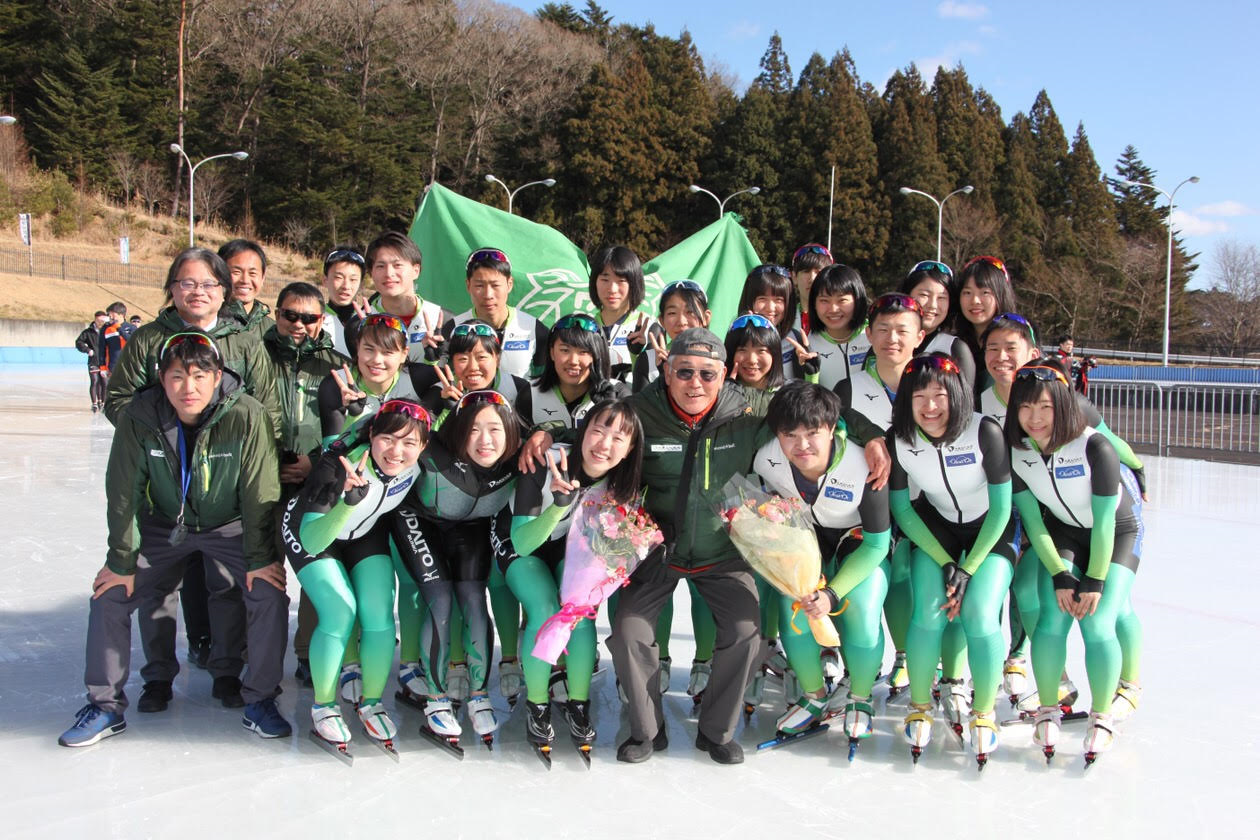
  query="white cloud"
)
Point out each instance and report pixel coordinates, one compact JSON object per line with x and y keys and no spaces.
{"x":988,"y":30}
{"x":947,"y":58}
{"x":1191,"y":225}
{"x":742,"y":30}
{"x":1226,"y":208}
{"x":965,"y":11}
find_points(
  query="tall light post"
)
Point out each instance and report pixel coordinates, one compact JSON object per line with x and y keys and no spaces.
{"x":721,"y":202}
{"x":1193,"y":179}
{"x":511,"y":193}
{"x":940,"y":209}
{"x":192,"y":172}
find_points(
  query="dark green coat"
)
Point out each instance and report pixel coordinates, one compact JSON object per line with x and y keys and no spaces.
{"x":257,"y":320}
{"x":242,"y":352}
{"x":299,"y":369}
{"x":235,"y":474}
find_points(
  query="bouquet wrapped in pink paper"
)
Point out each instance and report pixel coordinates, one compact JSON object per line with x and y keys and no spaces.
{"x":606,"y":542}
{"x":776,"y":538}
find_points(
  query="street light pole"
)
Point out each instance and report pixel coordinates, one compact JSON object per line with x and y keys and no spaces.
{"x":1193,"y":179}
{"x":511,"y":194}
{"x":721,"y":202}
{"x":192,"y":172}
{"x":940,"y":209}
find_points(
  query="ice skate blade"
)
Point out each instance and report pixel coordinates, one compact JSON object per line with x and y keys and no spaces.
{"x":409,"y":700}
{"x":982,"y":759}
{"x":544,"y":754}
{"x":1090,"y":758}
{"x":488,"y":742}
{"x":853,"y":747}
{"x":584,"y":751}
{"x":338,"y":751}
{"x":784,"y":739}
{"x":915,"y":754}
{"x":387,"y":747}
{"x":449,"y":745}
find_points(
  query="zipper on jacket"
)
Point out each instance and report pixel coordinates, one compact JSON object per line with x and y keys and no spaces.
{"x":1054,"y":483}
{"x":940,"y":457}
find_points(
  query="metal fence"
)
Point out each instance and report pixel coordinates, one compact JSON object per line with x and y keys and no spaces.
{"x":79,"y":268}
{"x":1215,"y":422}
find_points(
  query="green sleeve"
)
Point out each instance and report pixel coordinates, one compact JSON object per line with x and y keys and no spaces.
{"x":1127,"y":456}
{"x":129,"y":375}
{"x":915,"y":528}
{"x":1032,"y":523}
{"x":126,"y":484}
{"x":858,"y":566}
{"x":812,"y":378}
{"x":530,"y":532}
{"x":995,"y":520}
{"x":260,"y":490}
{"x":1102,"y":537}
{"x":861,"y":430}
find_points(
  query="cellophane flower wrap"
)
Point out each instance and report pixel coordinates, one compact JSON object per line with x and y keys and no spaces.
{"x":775,"y":536}
{"x":605,"y":544}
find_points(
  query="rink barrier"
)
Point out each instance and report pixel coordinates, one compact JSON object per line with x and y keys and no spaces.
{"x":42,"y":356}
{"x":1202,"y":420}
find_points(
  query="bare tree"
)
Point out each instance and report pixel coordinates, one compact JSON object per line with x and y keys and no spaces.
{"x":968,"y":228}
{"x":1228,"y":313}
{"x":152,"y":185}
{"x":125,"y":166}
{"x":296,"y":234}
{"x":214,"y":190}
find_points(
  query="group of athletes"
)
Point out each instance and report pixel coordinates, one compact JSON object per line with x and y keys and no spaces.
{"x":405,"y":463}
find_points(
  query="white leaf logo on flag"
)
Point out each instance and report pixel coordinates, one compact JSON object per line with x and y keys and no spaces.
{"x":554,"y":292}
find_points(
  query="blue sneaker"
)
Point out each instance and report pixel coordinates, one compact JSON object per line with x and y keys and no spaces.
{"x":264,"y":718}
{"x":91,"y":724}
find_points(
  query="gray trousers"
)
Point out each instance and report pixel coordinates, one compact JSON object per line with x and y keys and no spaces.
{"x":238,"y":617}
{"x":731,"y":594}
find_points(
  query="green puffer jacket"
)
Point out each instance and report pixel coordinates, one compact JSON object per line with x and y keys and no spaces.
{"x":235,"y":473}
{"x":242,"y":351}
{"x":257,"y":320}
{"x":299,"y":369}
{"x":724,"y":446}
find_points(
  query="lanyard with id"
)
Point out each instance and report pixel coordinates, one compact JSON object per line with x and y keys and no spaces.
{"x":180,"y":531}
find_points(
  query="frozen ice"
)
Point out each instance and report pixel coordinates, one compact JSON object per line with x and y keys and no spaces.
{"x":1179,"y":768}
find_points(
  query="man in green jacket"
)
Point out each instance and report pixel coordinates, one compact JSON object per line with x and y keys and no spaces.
{"x":247,"y":266}
{"x":699,"y":431}
{"x":192,"y":469}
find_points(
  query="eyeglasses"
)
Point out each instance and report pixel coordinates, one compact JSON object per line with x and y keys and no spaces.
{"x":1041,"y":373}
{"x":932,"y":265}
{"x":412,"y":409}
{"x":772,"y":269}
{"x":305,"y":317}
{"x":484,"y":330}
{"x":1011,"y":317}
{"x":488,"y":255}
{"x":576,"y":321}
{"x":481,"y":398}
{"x":751,"y":320}
{"x":895,"y":303}
{"x":344,"y":255}
{"x":811,"y":248}
{"x":993,"y":261}
{"x":935,"y":362}
{"x":189,"y":285}
{"x":183,"y":337}
{"x":391,"y":321}
{"x":705,"y":374}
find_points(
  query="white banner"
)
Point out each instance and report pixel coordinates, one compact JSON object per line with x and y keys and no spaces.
{"x":24,"y":226}
{"x":124,"y":249}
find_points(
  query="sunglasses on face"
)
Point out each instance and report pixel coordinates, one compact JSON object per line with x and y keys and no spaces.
{"x":705,"y":374}
{"x":993,"y":261}
{"x":391,"y":321}
{"x":1041,"y":373}
{"x":577,"y":321}
{"x":481,"y":398}
{"x":933,"y":265}
{"x":344,"y":255}
{"x":772,"y":269}
{"x":895,"y":303}
{"x":751,"y":320}
{"x":412,"y":409}
{"x":484,"y":330}
{"x":1012,"y":318}
{"x":488,"y":255}
{"x":184,"y":337}
{"x":811,"y":248}
{"x":941,"y":363}
{"x":306,"y":318}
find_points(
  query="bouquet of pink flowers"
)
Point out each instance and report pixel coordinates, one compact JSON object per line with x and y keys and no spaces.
{"x":606,"y":542}
{"x":775,"y":536}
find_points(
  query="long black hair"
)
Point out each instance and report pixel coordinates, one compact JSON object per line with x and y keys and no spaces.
{"x":771,"y":281}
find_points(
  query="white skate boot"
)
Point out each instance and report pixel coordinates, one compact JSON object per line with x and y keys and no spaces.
{"x":352,"y":683}
{"x":917,"y":728}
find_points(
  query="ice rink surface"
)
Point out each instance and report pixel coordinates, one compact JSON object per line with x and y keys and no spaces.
{"x":1183,"y":766}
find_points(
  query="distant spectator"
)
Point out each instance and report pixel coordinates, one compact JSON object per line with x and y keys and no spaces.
{"x":135,"y":321}
{"x":113,"y":336}
{"x":89,"y":342}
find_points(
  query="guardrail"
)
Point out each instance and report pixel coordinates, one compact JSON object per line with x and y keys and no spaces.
{"x":14,"y":261}
{"x":1174,"y":358}
{"x":1216,"y":422}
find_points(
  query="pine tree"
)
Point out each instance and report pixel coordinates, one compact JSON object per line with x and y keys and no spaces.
{"x":1137,"y":212}
{"x":1049,"y":150}
{"x":77,"y":122}
{"x":776,"y":73}
{"x":1023,"y":222}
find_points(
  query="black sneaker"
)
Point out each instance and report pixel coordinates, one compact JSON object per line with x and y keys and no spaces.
{"x":228,"y":690}
{"x":633,"y":751}
{"x":729,"y":753}
{"x":303,"y":673}
{"x":199,"y":652}
{"x":154,"y":697}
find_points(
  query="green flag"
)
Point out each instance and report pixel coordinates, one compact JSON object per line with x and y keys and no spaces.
{"x":718,"y":257}
{"x":550,"y":274}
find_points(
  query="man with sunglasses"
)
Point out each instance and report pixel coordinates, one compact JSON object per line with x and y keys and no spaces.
{"x":192,"y":470}
{"x":522,"y":337}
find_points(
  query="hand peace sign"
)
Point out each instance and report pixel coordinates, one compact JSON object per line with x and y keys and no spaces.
{"x":562,"y":487}
{"x":452,"y":388}
{"x":354,"y":474}
{"x":345,"y":383}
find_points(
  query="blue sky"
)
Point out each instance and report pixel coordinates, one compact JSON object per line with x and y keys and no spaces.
{"x":1176,"y":80}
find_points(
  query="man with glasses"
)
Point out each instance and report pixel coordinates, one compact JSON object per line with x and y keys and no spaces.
{"x":699,"y":432}
{"x":192,"y":470}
